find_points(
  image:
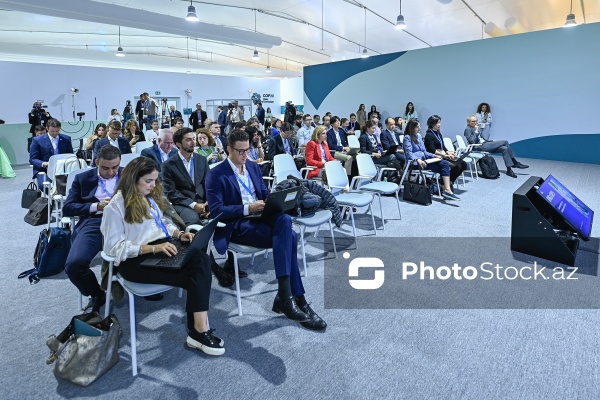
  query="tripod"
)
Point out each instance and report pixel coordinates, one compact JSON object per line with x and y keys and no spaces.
{"x":164,"y":111}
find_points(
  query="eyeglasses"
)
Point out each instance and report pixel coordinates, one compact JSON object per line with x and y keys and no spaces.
{"x":168,"y":143}
{"x":242,"y":151}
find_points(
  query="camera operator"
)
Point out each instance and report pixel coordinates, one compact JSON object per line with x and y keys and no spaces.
{"x":38,"y":116}
{"x":127,"y":111}
{"x":140,"y":110}
{"x":290,"y":113}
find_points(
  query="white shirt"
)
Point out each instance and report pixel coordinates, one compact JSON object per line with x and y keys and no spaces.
{"x":54,"y":141}
{"x":151,"y":135}
{"x":111,"y":185}
{"x":113,"y":142}
{"x":186,"y":164}
{"x":123,"y":240}
{"x":164,"y":156}
{"x":247,"y":198}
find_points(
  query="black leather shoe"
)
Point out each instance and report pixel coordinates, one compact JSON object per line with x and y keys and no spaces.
{"x":520,"y":166}
{"x":315,"y":323}
{"x":224,"y":278}
{"x":154,"y":297}
{"x":96,"y":302}
{"x":290,"y":309}
{"x":511,"y":173}
{"x":228,"y":267}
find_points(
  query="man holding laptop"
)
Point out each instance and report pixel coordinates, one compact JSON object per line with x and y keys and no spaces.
{"x":236,"y":189}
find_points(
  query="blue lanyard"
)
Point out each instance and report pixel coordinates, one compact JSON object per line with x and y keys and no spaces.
{"x":393,"y":135}
{"x":352,"y":125}
{"x":154,"y":213}
{"x":439,"y":138}
{"x":246,"y":188}
{"x":109,"y":194}
{"x":286,"y":146}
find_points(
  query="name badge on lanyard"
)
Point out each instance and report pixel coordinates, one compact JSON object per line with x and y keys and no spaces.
{"x":104,"y":189}
{"x":154,"y":213}
{"x":246,"y":188}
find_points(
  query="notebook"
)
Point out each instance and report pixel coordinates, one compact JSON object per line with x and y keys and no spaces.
{"x":185,"y":250}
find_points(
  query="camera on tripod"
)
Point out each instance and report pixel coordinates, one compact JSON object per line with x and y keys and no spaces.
{"x":231,"y":106}
{"x":164,"y":100}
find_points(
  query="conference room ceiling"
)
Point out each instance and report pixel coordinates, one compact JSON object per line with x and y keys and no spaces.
{"x":155,"y":35}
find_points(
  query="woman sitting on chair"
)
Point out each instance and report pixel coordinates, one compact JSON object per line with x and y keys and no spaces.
{"x":434,"y":143}
{"x":133,"y":133}
{"x":208,"y":147}
{"x":99,"y":133}
{"x":317,"y":152}
{"x":134,"y":226}
{"x":370,"y":146}
{"x":415,"y":152}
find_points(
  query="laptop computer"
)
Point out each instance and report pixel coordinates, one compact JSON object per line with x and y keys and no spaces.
{"x":391,"y":150}
{"x":185,"y":250}
{"x":280,"y":201}
{"x":460,"y":157}
{"x":352,"y":151}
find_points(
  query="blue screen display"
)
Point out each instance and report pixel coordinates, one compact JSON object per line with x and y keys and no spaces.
{"x":575,"y":212}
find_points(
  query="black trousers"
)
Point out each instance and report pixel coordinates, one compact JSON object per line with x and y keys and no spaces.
{"x":456,"y":169}
{"x":195,"y":277}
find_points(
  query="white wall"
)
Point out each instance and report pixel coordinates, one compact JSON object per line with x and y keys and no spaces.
{"x":292,"y":89}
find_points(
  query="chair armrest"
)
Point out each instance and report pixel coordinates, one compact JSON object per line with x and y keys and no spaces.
{"x":106,"y":257}
{"x":356,"y":181}
{"x":380,"y":172}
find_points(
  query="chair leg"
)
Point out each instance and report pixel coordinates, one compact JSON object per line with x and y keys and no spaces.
{"x":381,"y":211}
{"x":373,"y":218}
{"x":237,"y":282}
{"x":398,"y":202}
{"x":332,"y":238}
{"x":302,"y":229}
{"x":134,"y":369}
{"x":108,"y":290}
{"x":353,"y":227}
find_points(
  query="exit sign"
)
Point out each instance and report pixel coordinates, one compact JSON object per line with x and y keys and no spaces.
{"x":157,"y":93}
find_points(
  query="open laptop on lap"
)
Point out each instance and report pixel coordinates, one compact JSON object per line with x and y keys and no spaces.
{"x":280,"y":201}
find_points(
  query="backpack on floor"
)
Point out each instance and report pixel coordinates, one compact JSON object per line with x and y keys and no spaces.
{"x":488,"y":167}
{"x":50,"y":254}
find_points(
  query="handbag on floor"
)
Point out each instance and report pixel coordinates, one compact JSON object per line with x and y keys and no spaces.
{"x":417,"y":191}
{"x":38,"y":212}
{"x":85,"y":349}
{"x":30,"y":194}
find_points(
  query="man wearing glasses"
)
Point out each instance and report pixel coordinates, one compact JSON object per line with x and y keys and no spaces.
{"x":163,"y":149}
{"x":236,"y":189}
{"x":305,"y":132}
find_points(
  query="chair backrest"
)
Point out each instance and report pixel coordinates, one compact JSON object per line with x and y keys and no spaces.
{"x":283,"y":162}
{"x":139,"y":146}
{"x":71,"y":178}
{"x":460,"y":141}
{"x":54,"y":161}
{"x":353,"y":141}
{"x":211,"y":166}
{"x":126,"y":158}
{"x":448,"y":144}
{"x":336,"y":176}
{"x":282,"y":175}
{"x":366,"y":166}
{"x":401,"y":139}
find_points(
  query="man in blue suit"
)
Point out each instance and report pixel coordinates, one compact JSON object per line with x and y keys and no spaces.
{"x":282,"y":144}
{"x":163,"y":149}
{"x":90,"y":193}
{"x":390,"y":138}
{"x":337,"y":141}
{"x":113,"y":138}
{"x":45,"y":146}
{"x":236,"y":189}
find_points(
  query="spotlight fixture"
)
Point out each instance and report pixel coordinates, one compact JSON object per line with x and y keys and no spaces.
{"x":255,"y":55}
{"x":74,"y":90}
{"x":400,"y":20}
{"x":364,"y":53}
{"x":268,"y":62}
{"x":191,"y":15}
{"x":188,"y":91}
{"x":120,"y":52}
{"x":268,"y":69}
{"x":570,"y":18}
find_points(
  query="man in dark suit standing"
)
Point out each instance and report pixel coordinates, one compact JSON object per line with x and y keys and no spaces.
{"x":198,"y":117}
{"x":45,"y":146}
{"x":140,"y":110}
{"x":162,"y":150}
{"x":282,"y":144}
{"x":260,"y":113}
{"x":90,"y":193}
{"x":113,"y":138}
{"x":173,"y":113}
{"x":183,"y":176}
{"x":236,"y":189}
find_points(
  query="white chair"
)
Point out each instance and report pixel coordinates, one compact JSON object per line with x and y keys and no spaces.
{"x":338,"y":182}
{"x":139,"y":146}
{"x":236,"y":250}
{"x":476,"y":155}
{"x":126,"y":158}
{"x":133,"y":289}
{"x":353,"y":141}
{"x":367,"y":171}
{"x":285,"y":162}
{"x":321,"y":217}
{"x":450,"y":147}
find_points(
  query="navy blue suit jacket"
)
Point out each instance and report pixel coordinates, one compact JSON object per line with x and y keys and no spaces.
{"x":41,"y":150}
{"x":332,"y":141}
{"x":124,"y":146}
{"x":224,"y":196}
{"x":154,"y":153}
{"x":387,"y":141}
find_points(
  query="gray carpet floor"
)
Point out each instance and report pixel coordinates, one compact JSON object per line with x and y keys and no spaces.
{"x":365,"y":353}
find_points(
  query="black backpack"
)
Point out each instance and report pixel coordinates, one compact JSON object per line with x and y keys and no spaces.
{"x":488,"y":167}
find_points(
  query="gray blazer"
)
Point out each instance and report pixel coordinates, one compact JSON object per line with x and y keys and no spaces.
{"x":178,"y":186}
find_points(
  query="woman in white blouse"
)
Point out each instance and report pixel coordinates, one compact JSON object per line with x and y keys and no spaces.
{"x":484,"y":120}
{"x":134,"y":226}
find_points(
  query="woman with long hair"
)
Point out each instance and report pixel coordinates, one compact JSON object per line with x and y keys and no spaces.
{"x":361,"y":115}
{"x":133,"y":132}
{"x":434,"y":143}
{"x":99,"y":132}
{"x":317,"y":152}
{"x":374,"y":112}
{"x":134,"y":226}
{"x":415,"y":152}
{"x":410,"y":112}
{"x":484,"y":120}
{"x":208,"y":147}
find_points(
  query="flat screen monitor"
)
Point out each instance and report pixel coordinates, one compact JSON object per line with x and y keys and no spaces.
{"x":573,"y":210}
